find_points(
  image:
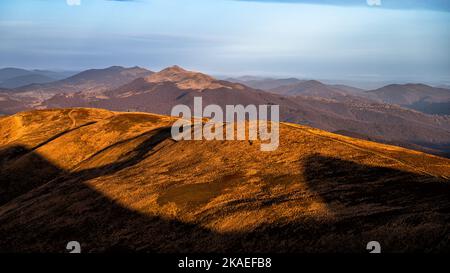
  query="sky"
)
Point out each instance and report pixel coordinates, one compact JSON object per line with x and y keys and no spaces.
{"x":403,"y":40}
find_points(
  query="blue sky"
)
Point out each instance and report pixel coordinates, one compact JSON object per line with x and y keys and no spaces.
{"x":389,"y":39}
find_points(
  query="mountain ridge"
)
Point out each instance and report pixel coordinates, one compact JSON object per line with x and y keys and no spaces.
{"x":91,"y":80}
{"x":421,"y":97}
{"x":347,"y":112}
{"x":335,"y":108}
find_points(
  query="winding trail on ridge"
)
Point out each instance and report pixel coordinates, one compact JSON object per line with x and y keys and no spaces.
{"x":74,"y":122}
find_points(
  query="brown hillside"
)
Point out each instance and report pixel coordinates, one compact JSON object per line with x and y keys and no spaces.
{"x":118,"y":182}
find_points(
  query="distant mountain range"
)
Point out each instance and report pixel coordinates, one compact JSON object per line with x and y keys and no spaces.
{"x":17,"y":77}
{"x":335,"y":108}
{"x":264,"y":83}
{"x":314,"y":88}
{"x":420,"y":97}
{"x":90,"y":81}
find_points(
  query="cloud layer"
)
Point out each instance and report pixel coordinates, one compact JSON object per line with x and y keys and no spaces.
{"x":73,"y":2}
{"x":229,"y":37}
{"x":439,"y":5}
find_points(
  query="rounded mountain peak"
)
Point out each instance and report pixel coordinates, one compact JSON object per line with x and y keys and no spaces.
{"x":184,"y":79}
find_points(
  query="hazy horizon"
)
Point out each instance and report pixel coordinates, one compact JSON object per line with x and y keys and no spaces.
{"x":354,"y":82}
{"x":396,"y":41}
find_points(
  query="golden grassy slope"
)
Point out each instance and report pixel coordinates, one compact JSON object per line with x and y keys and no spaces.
{"x":117,"y":181}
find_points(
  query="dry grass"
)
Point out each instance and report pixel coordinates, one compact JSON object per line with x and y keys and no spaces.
{"x":117,"y":181}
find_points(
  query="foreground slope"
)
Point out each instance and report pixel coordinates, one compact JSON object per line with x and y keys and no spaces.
{"x":118,"y":182}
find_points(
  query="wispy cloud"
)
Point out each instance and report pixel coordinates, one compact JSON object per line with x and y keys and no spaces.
{"x":73,"y":2}
{"x":438,"y":5}
{"x":322,"y":39}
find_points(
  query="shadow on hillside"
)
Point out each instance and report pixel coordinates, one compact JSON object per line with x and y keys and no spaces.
{"x":353,"y":184}
{"x":22,"y":169}
{"x":404,"y":211}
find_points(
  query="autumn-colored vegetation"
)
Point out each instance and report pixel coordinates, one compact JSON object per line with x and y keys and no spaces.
{"x":118,"y":182}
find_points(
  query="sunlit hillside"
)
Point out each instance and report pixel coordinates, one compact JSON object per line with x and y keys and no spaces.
{"x":117,"y":181}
